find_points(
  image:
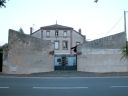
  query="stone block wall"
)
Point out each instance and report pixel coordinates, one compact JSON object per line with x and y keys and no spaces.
{"x":101,"y":61}
{"x":115,"y":41}
{"x":103,"y":55}
{"x":27,"y":55}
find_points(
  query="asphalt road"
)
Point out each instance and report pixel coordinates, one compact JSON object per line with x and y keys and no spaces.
{"x":63,"y":86}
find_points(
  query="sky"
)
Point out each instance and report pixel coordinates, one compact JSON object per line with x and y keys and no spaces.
{"x":95,"y":19}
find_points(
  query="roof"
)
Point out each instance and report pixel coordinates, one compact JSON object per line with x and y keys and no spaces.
{"x":56,"y":26}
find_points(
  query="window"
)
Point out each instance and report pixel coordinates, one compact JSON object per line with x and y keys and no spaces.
{"x":56,"y":33}
{"x":65,"y":33}
{"x":47,"y":33}
{"x":56,"y":45}
{"x":65,"y":45}
{"x":77,"y":43}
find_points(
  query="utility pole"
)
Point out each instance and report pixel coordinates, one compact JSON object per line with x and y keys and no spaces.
{"x":125,"y":24}
{"x":125,"y":29}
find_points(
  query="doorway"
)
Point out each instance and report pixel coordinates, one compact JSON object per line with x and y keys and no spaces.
{"x":65,"y":62}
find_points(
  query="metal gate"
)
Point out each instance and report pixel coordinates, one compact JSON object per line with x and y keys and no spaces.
{"x":65,"y":62}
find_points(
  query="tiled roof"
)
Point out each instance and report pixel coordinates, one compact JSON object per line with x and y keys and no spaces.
{"x":56,"y":26}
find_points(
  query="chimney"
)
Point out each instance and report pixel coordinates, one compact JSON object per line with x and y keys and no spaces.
{"x":31,"y":29}
{"x":79,"y":31}
{"x":84,"y":37}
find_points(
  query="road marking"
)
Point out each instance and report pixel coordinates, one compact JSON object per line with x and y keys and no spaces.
{"x":64,"y":77}
{"x":119,"y":86}
{"x":59,"y":87}
{"x":4,"y":87}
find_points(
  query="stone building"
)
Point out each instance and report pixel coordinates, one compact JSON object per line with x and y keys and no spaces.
{"x":58,"y":47}
{"x":63,"y":40}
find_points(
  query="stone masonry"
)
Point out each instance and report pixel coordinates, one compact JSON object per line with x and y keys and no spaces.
{"x":27,"y":54}
{"x":103,"y":55}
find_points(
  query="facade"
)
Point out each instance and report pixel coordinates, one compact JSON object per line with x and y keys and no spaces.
{"x":58,"y":47}
{"x":63,"y":40}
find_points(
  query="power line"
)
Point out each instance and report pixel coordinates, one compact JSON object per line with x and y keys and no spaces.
{"x":115,"y":25}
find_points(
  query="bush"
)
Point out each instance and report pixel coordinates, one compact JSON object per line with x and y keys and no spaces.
{"x":125,"y":51}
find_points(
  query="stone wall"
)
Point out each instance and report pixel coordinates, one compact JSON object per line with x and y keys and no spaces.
{"x":103,"y":55}
{"x":115,"y":41}
{"x":101,"y":60}
{"x":27,"y":55}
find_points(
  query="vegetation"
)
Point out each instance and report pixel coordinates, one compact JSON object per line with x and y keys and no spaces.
{"x":4,"y":47}
{"x":2,"y":3}
{"x":125,"y":51}
{"x":1,"y":49}
{"x":96,"y":1}
{"x":21,"y":31}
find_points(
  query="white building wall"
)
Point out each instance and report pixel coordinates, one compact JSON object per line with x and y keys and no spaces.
{"x":59,"y":38}
{"x":72,"y":37}
{"x":52,"y":34}
{"x":77,"y":37}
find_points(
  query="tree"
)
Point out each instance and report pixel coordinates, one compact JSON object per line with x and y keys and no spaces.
{"x":2,"y":3}
{"x":125,"y":51}
{"x":1,"y":49}
{"x":21,"y":31}
{"x":4,"y":47}
{"x":96,"y":1}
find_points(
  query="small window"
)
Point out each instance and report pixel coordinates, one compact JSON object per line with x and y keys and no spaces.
{"x":65,"y":45}
{"x":77,"y":43}
{"x":56,"y":45}
{"x":56,"y":33}
{"x":65,"y":33}
{"x":47,"y":33}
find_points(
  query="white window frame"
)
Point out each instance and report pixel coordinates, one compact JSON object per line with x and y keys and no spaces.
{"x":65,"y":45}
{"x":56,"y":45}
{"x":77,"y":43}
{"x":47,"y":33}
{"x":65,"y":33}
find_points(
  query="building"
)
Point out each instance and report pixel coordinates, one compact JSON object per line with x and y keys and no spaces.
{"x":58,"y":47}
{"x":64,"y":39}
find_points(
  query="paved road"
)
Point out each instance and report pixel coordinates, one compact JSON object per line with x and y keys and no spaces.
{"x":64,"y":86}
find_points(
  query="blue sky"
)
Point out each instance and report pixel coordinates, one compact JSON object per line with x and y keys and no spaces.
{"x":95,"y":19}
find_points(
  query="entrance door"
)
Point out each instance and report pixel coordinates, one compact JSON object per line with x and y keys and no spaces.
{"x":65,"y":62}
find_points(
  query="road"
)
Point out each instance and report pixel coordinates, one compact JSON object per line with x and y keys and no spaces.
{"x":63,"y":86}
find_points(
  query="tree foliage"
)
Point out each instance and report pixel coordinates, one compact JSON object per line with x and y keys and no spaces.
{"x":21,"y":31}
{"x":4,"y":47}
{"x":1,"y":49}
{"x":96,"y":1}
{"x":2,"y":3}
{"x":125,"y":51}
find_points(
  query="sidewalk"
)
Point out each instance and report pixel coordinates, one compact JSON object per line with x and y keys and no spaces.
{"x":78,"y":74}
{"x":68,"y":74}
